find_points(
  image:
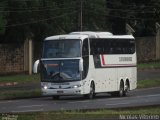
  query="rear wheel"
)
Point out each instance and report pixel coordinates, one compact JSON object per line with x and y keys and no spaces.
{"x":119,"y":93}
{"x":126,"y":88}
{"x":121,"y":90}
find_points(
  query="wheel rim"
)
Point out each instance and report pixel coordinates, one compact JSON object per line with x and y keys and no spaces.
{"x":126,"y":88}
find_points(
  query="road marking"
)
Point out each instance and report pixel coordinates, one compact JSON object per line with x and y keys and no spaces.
{"x":30,"y":106}
{"x":21,"y":111}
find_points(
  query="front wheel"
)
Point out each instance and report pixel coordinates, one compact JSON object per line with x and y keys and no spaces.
{"x":126,"y":88}
{"x":91,"y":94}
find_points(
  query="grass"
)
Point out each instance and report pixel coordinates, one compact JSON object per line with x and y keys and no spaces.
{"x":92,"y":114}
{"x":149,"y":65}
{"x":148,"y":83}
{"x":18,"y":94}
{"x":22,"y":79}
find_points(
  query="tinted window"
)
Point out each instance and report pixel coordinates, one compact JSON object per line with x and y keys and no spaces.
{"x":85,"y":55}
{"x":59,"y":71}
{"x":61,"y":49}
{"x":85,"y":50}
{"x":112,"y":46}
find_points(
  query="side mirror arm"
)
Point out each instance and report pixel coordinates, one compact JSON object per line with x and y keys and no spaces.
{"x":81,"y":65}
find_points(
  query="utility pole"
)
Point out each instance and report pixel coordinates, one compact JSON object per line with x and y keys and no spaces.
{"x":30,"y":51}
{"x":158,"y":41}
{"x":81,"y":16}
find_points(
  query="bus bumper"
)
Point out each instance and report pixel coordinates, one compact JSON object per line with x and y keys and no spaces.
{"x":61,"y":92}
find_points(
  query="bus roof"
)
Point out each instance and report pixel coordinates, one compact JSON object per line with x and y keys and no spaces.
{"x":118,"y":37}
{"x":61,"y":37}
{"x":92,"y":34}
{"x":86,"y":34}
{"x":102,"y":35}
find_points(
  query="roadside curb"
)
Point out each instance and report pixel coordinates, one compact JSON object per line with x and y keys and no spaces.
{"x":8,"y":84}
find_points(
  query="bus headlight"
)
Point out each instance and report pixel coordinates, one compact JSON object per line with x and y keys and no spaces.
{"x":76,"y":86}
{"x":45,"y":87}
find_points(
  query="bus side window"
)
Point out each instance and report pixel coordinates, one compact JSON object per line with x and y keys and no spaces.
{"x":85,"y":55}
{"x":132,"y":47}
{"x":111,"y":49}
{"x":93,"y":47}
{"x":85,"y":49}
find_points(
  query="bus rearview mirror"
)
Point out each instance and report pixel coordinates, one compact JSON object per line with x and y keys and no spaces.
{"x":35,"y":67}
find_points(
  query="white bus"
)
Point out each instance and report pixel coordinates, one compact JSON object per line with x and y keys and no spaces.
{"x":87,"y":63}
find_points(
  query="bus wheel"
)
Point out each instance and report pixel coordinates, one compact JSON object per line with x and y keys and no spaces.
{"x":91,"y":95}
{"x":121,"y":90}
{"x":126,"y":89}
{"x":55,"y":97}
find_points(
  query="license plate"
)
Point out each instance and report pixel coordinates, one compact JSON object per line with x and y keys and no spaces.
{"x":60,"y":92}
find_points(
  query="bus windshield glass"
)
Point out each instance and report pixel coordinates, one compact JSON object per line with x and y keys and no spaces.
{"x":61,"y":48}
{"x":60,"y":70}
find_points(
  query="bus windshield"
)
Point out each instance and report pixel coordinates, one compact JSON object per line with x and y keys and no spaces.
{"x":60,"y":70}
{"x":61,"y":48}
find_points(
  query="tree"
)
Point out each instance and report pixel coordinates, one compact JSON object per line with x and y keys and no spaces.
{"x":94,"y":15}
{"x":17,"y":28}
{"x":42,"y":18}
{"x":3,"y":20}
{"x":140,"y":14}
{"x":39,"y":18}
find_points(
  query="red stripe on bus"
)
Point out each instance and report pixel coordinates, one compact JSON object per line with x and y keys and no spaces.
{"x":114,"y":65}
{"x":103,"y":61}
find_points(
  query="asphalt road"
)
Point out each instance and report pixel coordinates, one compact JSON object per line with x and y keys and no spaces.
{"x":139,"y":97}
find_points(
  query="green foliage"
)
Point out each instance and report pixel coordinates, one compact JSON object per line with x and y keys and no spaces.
{"x":2,"y":17}
{"x":149,"y":65}
{"x":148,"y":83}
{"x":39,"y":18}
{"x":23,"y":19}
{"x":20,"y":79}
{"x":17,"y":94}
{"x":94,"y":15}
{"x":140,"y":14}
